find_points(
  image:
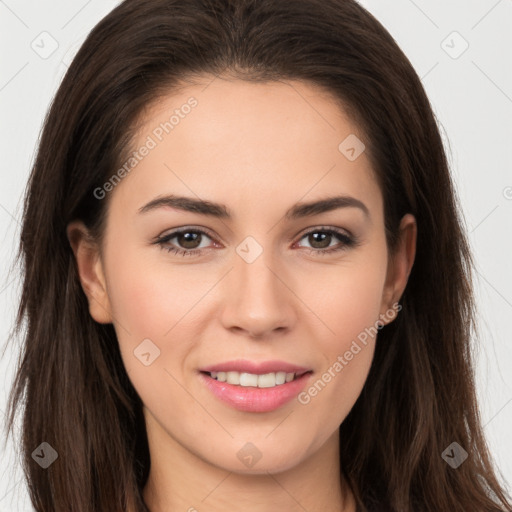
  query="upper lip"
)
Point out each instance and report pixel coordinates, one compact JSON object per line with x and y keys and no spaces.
{"x":256,"y":368}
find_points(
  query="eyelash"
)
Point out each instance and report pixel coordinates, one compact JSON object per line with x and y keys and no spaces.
{"x":347,"y":241}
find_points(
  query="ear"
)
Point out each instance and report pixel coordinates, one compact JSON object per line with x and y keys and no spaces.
{"x":399,"y":266}
{"x":90,"y":270}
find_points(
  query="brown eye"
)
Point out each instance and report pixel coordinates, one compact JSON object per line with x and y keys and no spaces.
{"x":187,"y":242}
{"x":188,"y":239}
{"x":320,"y":241}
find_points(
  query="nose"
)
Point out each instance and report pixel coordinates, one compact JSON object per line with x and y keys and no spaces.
{"x":258,"y":300}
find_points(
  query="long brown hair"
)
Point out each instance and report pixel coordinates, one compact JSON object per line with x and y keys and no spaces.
{"x":420,"y":394}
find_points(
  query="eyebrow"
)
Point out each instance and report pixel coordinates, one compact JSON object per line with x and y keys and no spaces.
{"x":220,"y":211}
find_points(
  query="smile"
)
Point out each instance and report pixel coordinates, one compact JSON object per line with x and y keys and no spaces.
{"x":267,"y":380}
{"x":267,"y":390}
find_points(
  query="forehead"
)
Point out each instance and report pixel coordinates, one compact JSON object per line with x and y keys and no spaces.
{"x":242,"y":143}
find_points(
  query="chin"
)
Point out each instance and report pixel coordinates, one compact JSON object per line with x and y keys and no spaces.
{"x":250,"y":461}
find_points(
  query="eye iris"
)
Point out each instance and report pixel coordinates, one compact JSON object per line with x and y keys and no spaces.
{"x":324,"y":240}
{"x":187,"y":238}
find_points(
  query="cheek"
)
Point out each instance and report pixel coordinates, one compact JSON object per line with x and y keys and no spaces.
{"x":346,"y":358}
{"x":151,"y":298}
{"x":150,"y":313}
{"x":349,"y":309}
{"x":347,"y":298}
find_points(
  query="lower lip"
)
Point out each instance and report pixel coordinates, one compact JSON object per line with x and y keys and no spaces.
{"x":252,"y":399}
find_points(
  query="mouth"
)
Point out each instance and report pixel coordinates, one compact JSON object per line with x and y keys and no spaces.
{"x":255,"y":387}
{"x":266,"y":380}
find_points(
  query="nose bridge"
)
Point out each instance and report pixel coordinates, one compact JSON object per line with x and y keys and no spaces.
{"x":254,"y":269}
{"x":257,"y":299}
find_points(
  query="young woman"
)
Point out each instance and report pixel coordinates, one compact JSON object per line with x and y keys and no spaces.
{"x":245,"y":273}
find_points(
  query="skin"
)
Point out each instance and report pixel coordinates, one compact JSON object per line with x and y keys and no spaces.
{"x":258,"y":149}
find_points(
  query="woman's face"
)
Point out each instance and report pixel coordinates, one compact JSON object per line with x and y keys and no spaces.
{"x":270,"y":288}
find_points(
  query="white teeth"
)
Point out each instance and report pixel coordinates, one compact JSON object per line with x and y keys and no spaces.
{"x":280,"y":378}
{"x":268,"y":380}
{"x":233,"y":378}
{"x":248,"y":379}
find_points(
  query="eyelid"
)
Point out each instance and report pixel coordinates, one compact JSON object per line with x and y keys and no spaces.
{"x":320,"y":227}
{"x":185,"y":229}
{"x":208,"y":232}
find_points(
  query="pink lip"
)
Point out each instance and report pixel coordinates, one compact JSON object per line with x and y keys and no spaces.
{"x":261,"y":368}
{"x":254,"y":399}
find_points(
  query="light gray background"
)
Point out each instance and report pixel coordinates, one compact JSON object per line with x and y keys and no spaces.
{"x":471,"y":93}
